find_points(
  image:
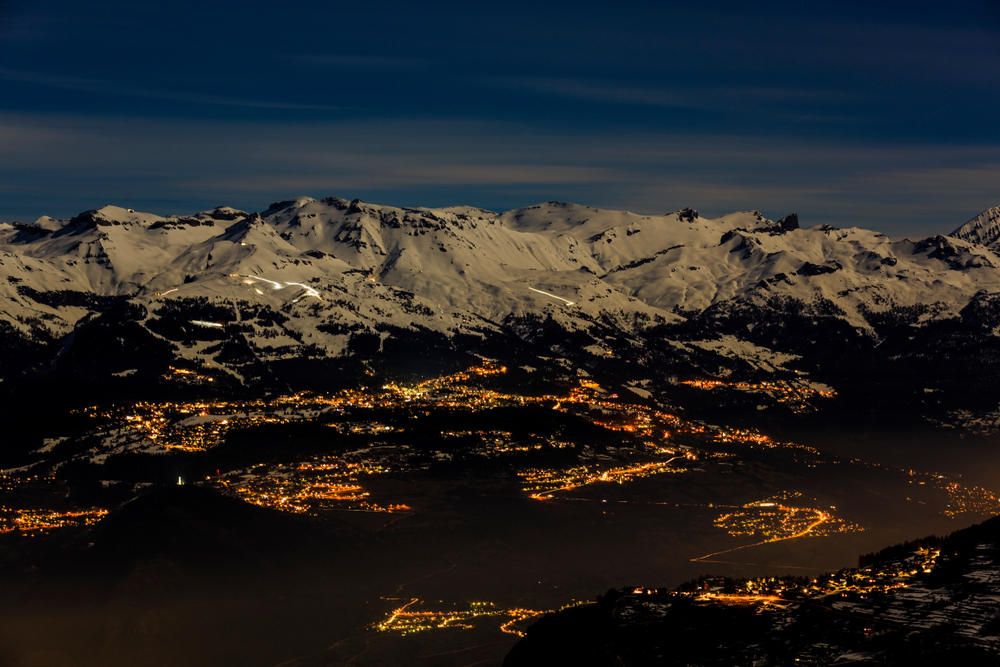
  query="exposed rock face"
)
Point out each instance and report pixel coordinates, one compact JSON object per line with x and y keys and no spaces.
{"x":789,"y":223}
{"x":687,"y":214}
{"x":983,"y":229}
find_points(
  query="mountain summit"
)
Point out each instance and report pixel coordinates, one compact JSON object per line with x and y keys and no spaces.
{"x":983,"y":229}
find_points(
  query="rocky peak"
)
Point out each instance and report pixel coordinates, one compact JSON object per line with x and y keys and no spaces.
{"x":687,"y":214}
{"x":983,"y":229}
{"x":789,"y":222}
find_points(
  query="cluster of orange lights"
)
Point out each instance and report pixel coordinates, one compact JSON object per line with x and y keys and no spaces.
{"x":410,"y":618}
{"x":796,"y":395}
{"x":41,"y":520}
{"x":968,"y":499}
{"x":781,"y":591}
{"x":308,"y":487}
{"x":776,"y":521}
{"x":545,"y":483}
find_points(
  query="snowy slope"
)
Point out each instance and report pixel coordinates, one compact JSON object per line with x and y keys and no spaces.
{"x":325,"y":270}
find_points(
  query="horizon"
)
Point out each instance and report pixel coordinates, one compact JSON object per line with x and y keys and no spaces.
{"x":260,"y":209}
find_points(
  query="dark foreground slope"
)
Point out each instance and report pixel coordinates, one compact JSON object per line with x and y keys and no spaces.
{"x":932,"y":601}
{"x":179,"y":576}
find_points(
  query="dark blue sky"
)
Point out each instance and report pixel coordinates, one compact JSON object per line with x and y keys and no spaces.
{"x":877,"y":114}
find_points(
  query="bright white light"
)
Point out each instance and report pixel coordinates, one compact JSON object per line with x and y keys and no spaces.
{"x":309,"y":290}
{"x":566,"y":301}
{"x":276,"y":284}
{"x":203,"y":323}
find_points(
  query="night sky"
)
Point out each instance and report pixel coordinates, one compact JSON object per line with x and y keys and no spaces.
{"x":878,"y":114}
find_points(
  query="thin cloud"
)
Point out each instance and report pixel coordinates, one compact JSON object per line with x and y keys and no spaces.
{"x":55,"y":160}
{"x":105,"y":87}
{"x":354,"y":61}
{"x":954,"y":179}
{"x":679,"y":97}
{"x":379,"y":176}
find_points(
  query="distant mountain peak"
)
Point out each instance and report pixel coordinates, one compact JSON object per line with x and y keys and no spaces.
{"x":226,"y":213}
{"x":983,"y":229}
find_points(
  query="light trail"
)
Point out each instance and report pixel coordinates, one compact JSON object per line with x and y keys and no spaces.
{"x":203,"y":323}
{"x":310,"y":291}
{"x":169,"y":291}
{"x":274,"y":283}
{"x":277,"y":284}
{"x":566,"y":301}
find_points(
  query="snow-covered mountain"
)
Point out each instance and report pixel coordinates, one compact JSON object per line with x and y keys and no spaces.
{"x":313,"y":277}
{"x":983,"y":229}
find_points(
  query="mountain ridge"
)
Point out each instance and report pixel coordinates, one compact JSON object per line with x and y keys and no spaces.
{"x":327,"y":278}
